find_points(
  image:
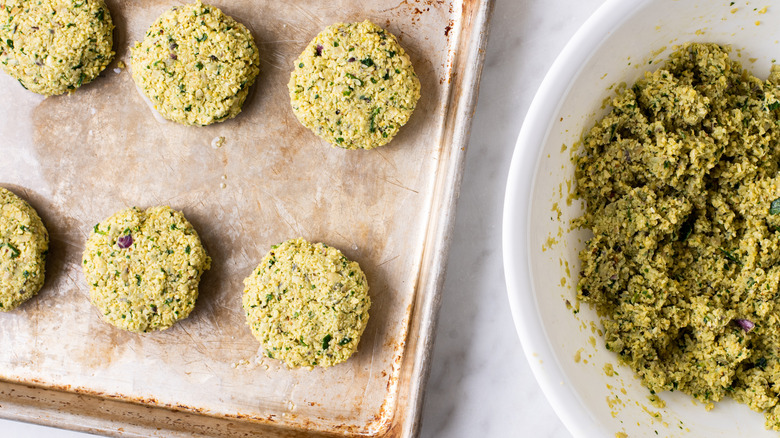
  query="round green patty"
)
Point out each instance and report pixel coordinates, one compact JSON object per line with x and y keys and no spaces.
{"x":196,"y":64}
{"x":24,"y":243}
{"x":354,"y":86}
{"x":55,"y":46}
{"x":307,"y":304}
{"x":143,"y":268}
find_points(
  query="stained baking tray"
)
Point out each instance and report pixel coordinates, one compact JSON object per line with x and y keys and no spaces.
{"x":82,"y":157}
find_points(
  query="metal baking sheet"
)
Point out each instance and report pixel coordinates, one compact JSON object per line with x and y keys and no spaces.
{"x":79,"y":158}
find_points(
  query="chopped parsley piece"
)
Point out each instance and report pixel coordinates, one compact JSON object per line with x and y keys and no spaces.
{"x":730,"y":256}
{"x":14,"y":251}
{"x":351,"y":76}
{"x":774,"y":208}
{"x":372,"y":127}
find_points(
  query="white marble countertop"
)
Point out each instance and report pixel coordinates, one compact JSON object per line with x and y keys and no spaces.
{"x":480,"y":382}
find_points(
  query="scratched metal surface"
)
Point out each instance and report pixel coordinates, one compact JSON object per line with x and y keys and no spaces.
{"x":82,"y":157}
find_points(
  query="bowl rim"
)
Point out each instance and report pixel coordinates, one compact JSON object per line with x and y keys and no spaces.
{"x":566,"y":403}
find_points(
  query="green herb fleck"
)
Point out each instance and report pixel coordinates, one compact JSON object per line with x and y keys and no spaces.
{"x":351,"y":76}
{"x":201,"y":38}
{"x":326,"y":342}
{"x":729,"y":255}
{"x":199,"y":65}
{"x":368,"y":62}
{"x":774,"y":208}
{"x":372,"y":126}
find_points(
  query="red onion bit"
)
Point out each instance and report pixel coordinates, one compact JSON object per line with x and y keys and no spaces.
{"x":319,"y":50}
{"x":745,"y":324}
{"x":124,"y":242}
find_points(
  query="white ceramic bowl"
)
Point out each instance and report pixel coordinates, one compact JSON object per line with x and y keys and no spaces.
{"x":540,"y":252}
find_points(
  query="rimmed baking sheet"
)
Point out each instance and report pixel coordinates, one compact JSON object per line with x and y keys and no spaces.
{"x":82,"y":157}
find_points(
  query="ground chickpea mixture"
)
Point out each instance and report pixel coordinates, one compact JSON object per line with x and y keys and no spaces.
{"x":196,"y":64}
{"x":682,"y":190}
{"x":354,"y":86}
{"x":24,"y":244}
{"x":143,"y":268}
{"x":307,"y":304}
{"x":55,"y":46}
